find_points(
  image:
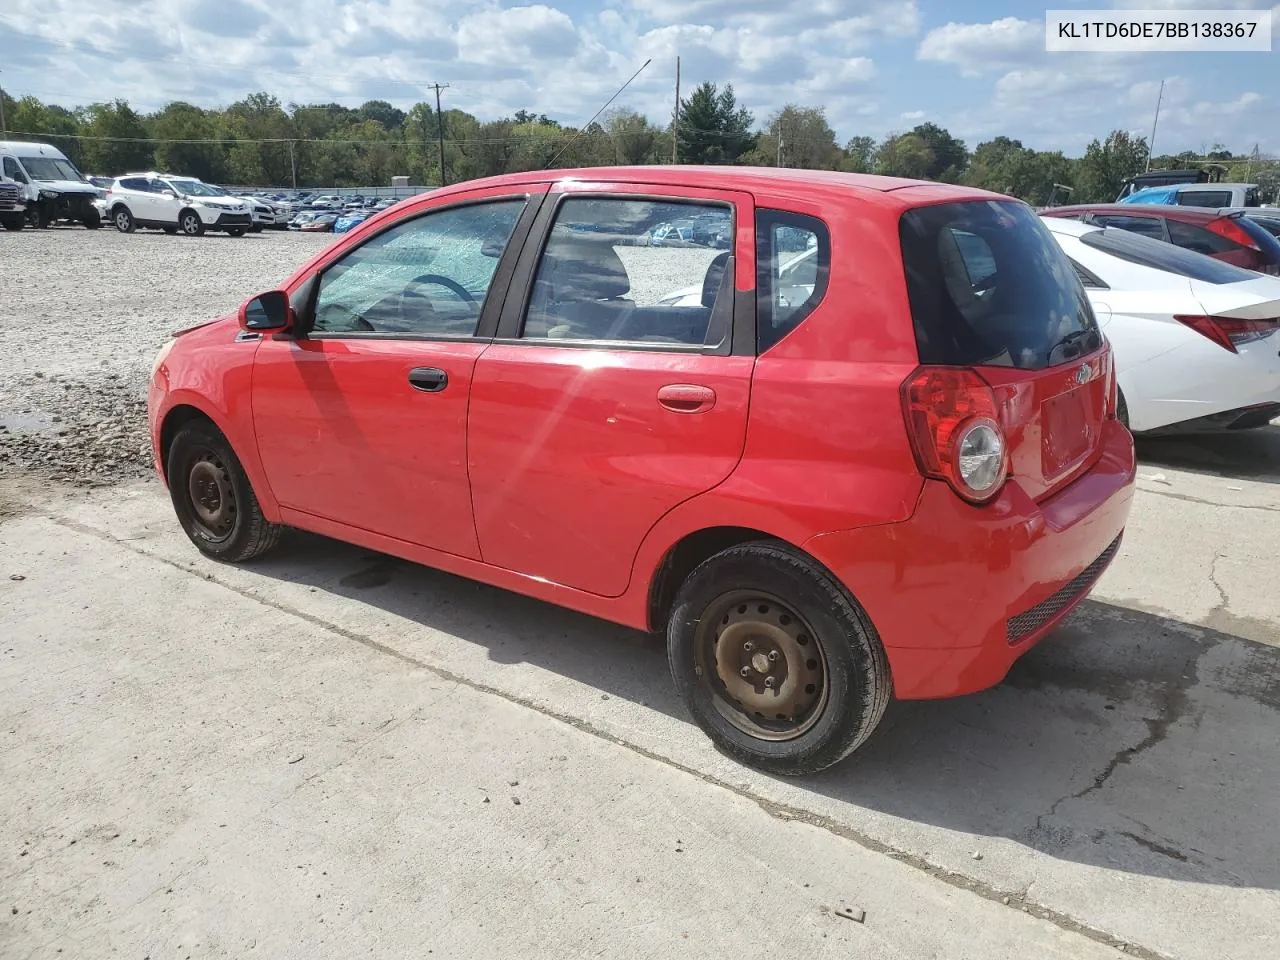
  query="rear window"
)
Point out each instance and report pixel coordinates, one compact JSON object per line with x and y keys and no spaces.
{"x":1147,"y":226}
{"x":1164,"y":256}
{"x":988,"y":285}
{"x":1204,"y":198}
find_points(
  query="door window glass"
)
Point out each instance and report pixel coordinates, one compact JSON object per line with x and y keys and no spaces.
{"x":793,"y":258}
{"x":1198,"y":239}
{"x":641,"y":271}
{"x":13,"y":171}
{"x":1204,"y":198}
{"x":1147,"y":226}
{"x":428,"y":275}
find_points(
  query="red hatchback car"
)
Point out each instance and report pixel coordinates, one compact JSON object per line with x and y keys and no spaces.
{"x":875,"y":453}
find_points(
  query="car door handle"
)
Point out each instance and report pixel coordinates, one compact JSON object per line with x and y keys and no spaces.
{"x":428,"y":379}
{"x":686,"y":397}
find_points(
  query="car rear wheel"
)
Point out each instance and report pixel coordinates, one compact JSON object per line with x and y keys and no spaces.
{"x":93,"y":221}
{"x":1122,"y":408}
{"x":213,"y":499}
{"x":778,"y":664}
{"x":236,"y":232}
{"x":170,"y":230}
{"x":189,"y":223}
{"x":123,"y":220}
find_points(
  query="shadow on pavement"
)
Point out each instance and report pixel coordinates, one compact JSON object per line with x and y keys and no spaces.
{"x":1242,"y":455}
{"x":1125,"y":740}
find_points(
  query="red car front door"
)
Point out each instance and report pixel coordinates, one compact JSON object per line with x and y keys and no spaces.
{"x":615,"y":389}
{"x":361,"y":419}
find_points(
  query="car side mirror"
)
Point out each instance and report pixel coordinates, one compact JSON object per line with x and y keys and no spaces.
{"x":267,"y":312}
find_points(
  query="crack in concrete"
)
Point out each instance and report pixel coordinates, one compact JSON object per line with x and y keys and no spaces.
{"x":780,"y":811}
{"x":1187,"y":498}
{"x":1222,"y":594}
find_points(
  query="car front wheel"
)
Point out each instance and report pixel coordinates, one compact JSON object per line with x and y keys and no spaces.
{"x":191,"y":224}
{"x":778,"y":664}
{"x":213,"y":498}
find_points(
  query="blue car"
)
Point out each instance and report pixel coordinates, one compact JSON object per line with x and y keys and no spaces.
{"x":350,"y":220}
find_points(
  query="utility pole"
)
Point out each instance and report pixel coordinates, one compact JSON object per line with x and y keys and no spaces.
{"x":1152,"y":142}
{"x":675,"y":120}
{"x":779,"y":162}
{"x":293,"y":166}
{"x":2,"y":126}
{"x":440,"y":126}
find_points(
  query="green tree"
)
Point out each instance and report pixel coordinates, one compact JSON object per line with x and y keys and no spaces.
{"x":632,"y":138}
{"x":859,"y":155}
{"x":259,"y":117}
{"x":712,"y":128}
{"x":178,"y":122}
{"x":905,"y":155}
{"x":949,"y":154}
{"x":1106,"y":164}
{"x":115,"y":140}
{"x":381,"y":113}
{"x":798,"y":137}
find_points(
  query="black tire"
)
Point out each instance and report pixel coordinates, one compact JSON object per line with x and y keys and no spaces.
{"x":15,"y":223}
{"x":1122,"y":408}
{"x":123,"y":219}
{"x":38,"y":216}
{"x":170,"y":230}
{"x":776,"y":591}
{"x":190,"y":224}
{"x":236,"y":232}
{"x":93,"y":221}
{"x":256,"y":228}
{"x":213,"y":499}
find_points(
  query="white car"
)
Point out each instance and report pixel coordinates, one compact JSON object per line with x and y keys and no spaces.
{"x":798,"y":277}
{"x":174,"y":204}
{"x":1196,"y":340}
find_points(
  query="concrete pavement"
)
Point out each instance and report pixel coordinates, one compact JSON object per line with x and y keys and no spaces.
{"x":293,"y":759}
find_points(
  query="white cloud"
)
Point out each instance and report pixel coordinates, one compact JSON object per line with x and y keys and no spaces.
{"x":913,"y":116}
{"x":980,"y":47}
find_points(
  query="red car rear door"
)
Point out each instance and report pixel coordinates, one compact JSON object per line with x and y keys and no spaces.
{"x":361,"y":418}
{"x":618,"y":385}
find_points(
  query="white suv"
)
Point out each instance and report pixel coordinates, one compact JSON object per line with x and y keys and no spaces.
{"x":172,"y":203}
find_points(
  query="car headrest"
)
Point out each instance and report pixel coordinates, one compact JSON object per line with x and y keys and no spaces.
{"x":711,"y":282}
{"x":584,"y":271}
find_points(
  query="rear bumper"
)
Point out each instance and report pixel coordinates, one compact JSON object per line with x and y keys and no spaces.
{"x":958,"y":592}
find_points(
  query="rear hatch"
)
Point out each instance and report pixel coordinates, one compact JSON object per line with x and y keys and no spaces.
{"x":991,"y":290}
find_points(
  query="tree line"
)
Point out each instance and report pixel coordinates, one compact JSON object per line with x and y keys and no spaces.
{"x":259,"y":141}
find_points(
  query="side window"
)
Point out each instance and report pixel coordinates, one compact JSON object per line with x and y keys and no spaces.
{"x":134,"y":183}
{"x":425,"y":276}
{"x":632,"y":270}
{"x":1251,"y":198}
{"x":1198,"y":239}
{"x":793,"y":261}
{"x":1147,"y":226}
{"x":13,"y":171}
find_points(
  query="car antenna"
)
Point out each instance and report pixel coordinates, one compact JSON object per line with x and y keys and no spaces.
{"x":574,"y":138}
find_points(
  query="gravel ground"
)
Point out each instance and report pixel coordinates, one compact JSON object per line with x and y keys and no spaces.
{"x":81,"y":317}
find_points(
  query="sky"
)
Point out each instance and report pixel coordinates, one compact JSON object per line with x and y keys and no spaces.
{"x":978,"y":68}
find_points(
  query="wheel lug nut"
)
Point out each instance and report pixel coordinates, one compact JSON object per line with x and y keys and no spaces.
{"x":770,"y":682}
{"x":748,"y":646}
{"x":745,"y":672}
{"x":773,"y":656}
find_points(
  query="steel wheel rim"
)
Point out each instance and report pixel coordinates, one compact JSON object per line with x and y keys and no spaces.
{"x":212,"y":497}
{"x":122,"y":221}
{"x":189,"y":225}
{"x":762,"y":664}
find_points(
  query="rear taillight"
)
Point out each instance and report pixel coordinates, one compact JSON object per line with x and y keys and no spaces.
{"x":1229,"y":228}
{"x":1230,"y":332}
{"x":955,"y":430}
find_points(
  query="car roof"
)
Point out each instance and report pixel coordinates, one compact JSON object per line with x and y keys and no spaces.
{"x":31,"y":148}
{"x":812,"y":185}
{"x":1189,"y":214}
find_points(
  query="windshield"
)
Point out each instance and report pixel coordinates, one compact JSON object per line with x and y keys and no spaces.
{"x":194,"y":188}
{"x":50,"y":168}
{"x":988,"y":285}
{"x":1158,"y":255}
